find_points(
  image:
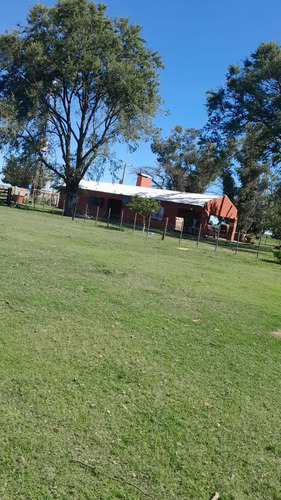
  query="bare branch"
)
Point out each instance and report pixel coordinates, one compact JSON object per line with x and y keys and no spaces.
{"x":59,"y":134}
{"x":122,"y":481}
{"x":43,"y":159}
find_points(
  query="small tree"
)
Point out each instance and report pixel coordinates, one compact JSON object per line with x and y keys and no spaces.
{"x":144,"y":207}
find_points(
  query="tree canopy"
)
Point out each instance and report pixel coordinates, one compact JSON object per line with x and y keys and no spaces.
{"x":74,"y":80}
{"x":184,"y":162}
{"x":246,"y":113}
{"x":144,"y":206}
{"x":251,"y":95}
{"x":24,"y":171}
{"x":252,"y":177}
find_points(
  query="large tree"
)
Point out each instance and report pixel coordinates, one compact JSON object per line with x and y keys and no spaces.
{"x":251,"y":95}
{"x":272,"y":217}
{"x":74,"y":81}
{"x":252,"y":177}
{"x":250,"y":100}
{"x":184,"y":163}
{"x":24,"y":171}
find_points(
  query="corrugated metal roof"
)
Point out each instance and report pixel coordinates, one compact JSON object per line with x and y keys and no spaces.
{"x":157,"y":194}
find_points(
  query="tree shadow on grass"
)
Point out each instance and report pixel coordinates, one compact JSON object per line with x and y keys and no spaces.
{"x":271,"y":262}
{"x":242,"y":247}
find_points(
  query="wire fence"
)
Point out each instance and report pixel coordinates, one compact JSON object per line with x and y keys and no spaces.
{"x":48,"y":203}
{"x":253,"y":245}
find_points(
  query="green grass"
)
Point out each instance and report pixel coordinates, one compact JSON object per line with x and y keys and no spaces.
{"x":151,"y":364}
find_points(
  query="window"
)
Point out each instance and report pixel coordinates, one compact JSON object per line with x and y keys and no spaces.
{"x":94,"y":201}
{"x":158,"y":215}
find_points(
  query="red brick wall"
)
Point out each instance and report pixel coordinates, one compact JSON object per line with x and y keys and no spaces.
{"x":143,"y":181}
{"x":221,"y":206}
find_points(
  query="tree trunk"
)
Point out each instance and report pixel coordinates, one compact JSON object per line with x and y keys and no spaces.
{"x":71,"y":199}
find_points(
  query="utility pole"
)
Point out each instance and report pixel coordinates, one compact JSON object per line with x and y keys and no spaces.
{"x":123,"y":176}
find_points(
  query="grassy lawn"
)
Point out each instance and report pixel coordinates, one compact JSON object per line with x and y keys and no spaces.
{"x":153,"y":365}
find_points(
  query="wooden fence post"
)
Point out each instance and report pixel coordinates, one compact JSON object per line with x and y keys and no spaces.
{"x":135,"y":221}
{"x":182,"y":226}
{"x":237,"y":243}
{"x":121,"y":219}
{"x":86,"y":210}
{"x":199,"y":235}
{"x":217,"y":239}
{"x":259,"y":247}
{"x":97,"y":215}
{"x":9,"y":196}
{"x":108,"y":217}
{"x":148,"y":225}
{"x":165,"y":228}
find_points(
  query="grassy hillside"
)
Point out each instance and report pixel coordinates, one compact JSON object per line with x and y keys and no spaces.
{"x":153,"y":365}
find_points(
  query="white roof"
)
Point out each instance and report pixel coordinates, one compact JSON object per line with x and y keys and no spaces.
{"x":157,"y":194}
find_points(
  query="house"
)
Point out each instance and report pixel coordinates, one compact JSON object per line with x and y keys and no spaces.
{"x":196,"y":209}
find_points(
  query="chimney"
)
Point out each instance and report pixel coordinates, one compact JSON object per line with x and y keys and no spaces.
{"x":144,"y":180}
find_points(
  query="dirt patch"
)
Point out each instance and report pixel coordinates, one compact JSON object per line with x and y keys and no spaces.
{"x":182,"y":248}
{"x":277,"y":334}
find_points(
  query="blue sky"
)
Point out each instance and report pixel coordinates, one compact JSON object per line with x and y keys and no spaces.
{"x":197,"y":41}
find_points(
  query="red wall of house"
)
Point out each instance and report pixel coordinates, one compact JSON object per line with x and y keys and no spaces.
{"x":221,"y":206}
{"x":171,"y":210}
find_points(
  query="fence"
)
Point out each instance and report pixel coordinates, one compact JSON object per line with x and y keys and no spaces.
{"x":47,"y":201}
{"x":216,"y":239}
{"x":21,"y":196}
{"x":5,"y":195}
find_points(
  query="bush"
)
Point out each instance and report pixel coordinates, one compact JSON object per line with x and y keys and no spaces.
{"x":277,"y":254}
{"x":144,"y":206}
